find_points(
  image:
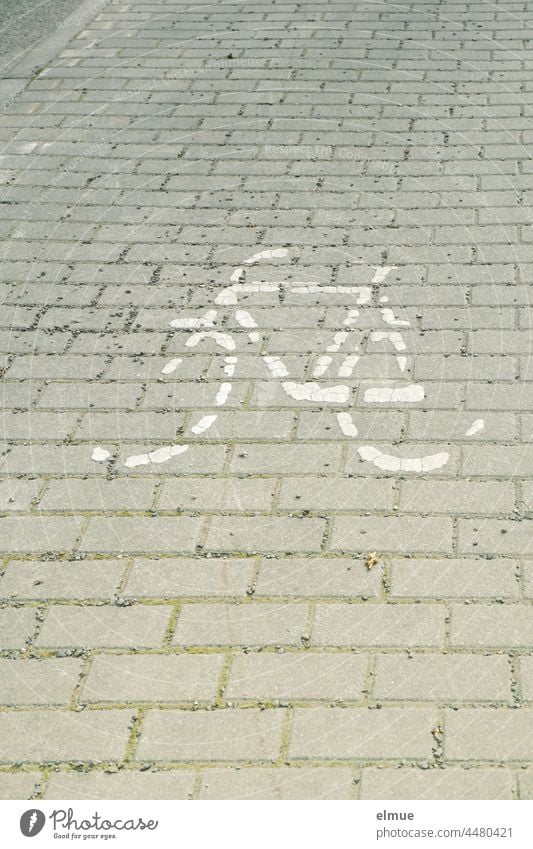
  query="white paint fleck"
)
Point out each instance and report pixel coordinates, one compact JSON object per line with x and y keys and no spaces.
{"x":204,"y":424}
{"x":338,"y":340}
{"x":100,"y":455}
{"x":276,"y":367}
{"x":394,"y":395}
{"x":275,"y":253}
{"x":475,"y":427}
{"x":236,"y":277}
{"x":229,"y":368}
{"x":351,"y":318}
{"x":254,"y":336}
{"x":223,"y":394}
{"x":317,"y":393}
{"x":363,"y":293}
{"x":171,"y":366}
{"x":381,"y":273}
{"x":244,"y":318}
{"x":229,"y":295}
{"x":206,"y":320}
{"x":391,"y":463}
{"x":402,"y":362}
{"x":389,"y":318}
{"x":394,"y":337}
{"x":346,"y":424}
{"x":160,"y":455}
{"x":384,"y":299}
{"x":223,"y":340}
{"x":321,"y":366}
{"x":348,"y":364}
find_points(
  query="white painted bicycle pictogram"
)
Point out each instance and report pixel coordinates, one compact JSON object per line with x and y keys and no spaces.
{"x":209,"y":327}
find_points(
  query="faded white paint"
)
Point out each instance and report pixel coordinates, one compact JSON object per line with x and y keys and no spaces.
{"x":206,"y":320}
{"x":229,"y":368}
{"x":338,"y":340}
{"x":346,"y":424}
{"x":392,"y":463}
{"x":276,"y":366}
{"x":351,"y":318}
{"x":394,"y":395}
{"x":347,"y":366}
{"x":223,"y":394}
{"x":275,"y":253}
{"x":475,"y":427}
{"x":321,"y":366}
{"x":389,"y":318}
{"x":315,"y":392}
{"x":204,"y":424}
{"x":160,"y":455}
{"x":394,"y":337}
{"x":381,"y":272}
{"x":171,"y":366}
{"x":244,"y":318}
{"x":223,"y":340}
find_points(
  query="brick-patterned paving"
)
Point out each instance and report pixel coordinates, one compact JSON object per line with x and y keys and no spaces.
{"x":271,"y":612}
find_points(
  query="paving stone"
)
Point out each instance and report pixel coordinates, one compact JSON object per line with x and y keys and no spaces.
{"x":335,"y":494}
{"x":97,"y":495}
{"x":336,"y":577}
{"x":488,"y":734}
{"x":152,"y":678}
{"x":264,"y":534}
{"x":129,"y":425}
{"x":94,"y":627}
{"x":348,"y":733}
{"x":239,"y":495}
{"x":165,"y":784}
{"x":55,"y":736}
{"x":392,"y":533}
{"x":240,"y":624}
{"x":296,"y":677}
{"x":277,"y":783}
{"x":19,"y":785}
{"x":402,"y":625}
{"x":495,"y":536}
{"x":283,"y":459}
{"x":17,"y":626}
{"x":17,"y":494}
{"x":491,"y":625}
{"x":48,"y":681}
{"x":435,"y":678}
{"x":140,"y":535}
{"x":90,"y":579}
{"x":457,"y":497}
{"x":447,"y":783}
{"x":223,"y":735}
{"x":454,"y":578}
{"x":182,"y":577}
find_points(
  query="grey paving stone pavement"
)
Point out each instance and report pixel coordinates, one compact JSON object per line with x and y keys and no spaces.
{"x":266,"y":475}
